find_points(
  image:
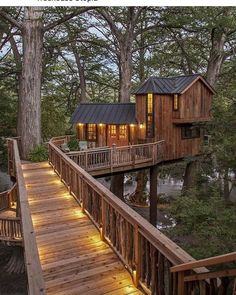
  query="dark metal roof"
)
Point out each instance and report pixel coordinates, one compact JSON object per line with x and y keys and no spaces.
{"x":106,"y":113}
{"x":169,"y":85}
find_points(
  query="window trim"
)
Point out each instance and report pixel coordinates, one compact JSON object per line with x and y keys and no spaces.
{"x":191,"y":129}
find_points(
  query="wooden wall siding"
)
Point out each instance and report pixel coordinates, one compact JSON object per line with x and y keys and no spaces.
{"x":141,"y":115}
{"x":101,"y":135}
{"x":195,"y":102}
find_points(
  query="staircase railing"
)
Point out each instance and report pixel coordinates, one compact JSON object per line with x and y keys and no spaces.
{"x":8,"y":198}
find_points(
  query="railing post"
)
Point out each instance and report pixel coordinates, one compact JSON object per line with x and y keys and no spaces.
{"x":103,"y":225}
{"x":180,"y":283}
{"x":137,"y":257}
{"x":86,"y":160}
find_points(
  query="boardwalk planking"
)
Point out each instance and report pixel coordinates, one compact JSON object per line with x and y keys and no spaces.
{"x":74,"y":259}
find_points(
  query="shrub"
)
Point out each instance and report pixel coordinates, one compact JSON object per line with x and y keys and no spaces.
{"x":39,"y":153}
{"x":73,"y":144}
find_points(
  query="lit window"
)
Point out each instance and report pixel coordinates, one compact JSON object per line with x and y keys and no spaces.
{"x":176,"y":102}
{"x":150,"y":103}
{"x":91,"y":132}
{"x":190,"y":131}
{"x":122,"y":131}
{"x":112,"y":131}
{"x":150,"y":116}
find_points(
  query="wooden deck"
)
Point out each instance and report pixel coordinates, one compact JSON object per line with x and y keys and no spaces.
{"x":74,"y":259}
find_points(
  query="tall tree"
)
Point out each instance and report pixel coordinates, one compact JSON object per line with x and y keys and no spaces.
{"x":29,"y":111}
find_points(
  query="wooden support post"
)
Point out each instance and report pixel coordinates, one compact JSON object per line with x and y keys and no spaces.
{"x":137,"y":257}
{"x":103,"y":226}
{"x":153,"y":195}
{"x":181,"y":283}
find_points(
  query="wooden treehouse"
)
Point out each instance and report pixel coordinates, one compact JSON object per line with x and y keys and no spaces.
{"x":170,"y":109}
{"x":78,"y":237}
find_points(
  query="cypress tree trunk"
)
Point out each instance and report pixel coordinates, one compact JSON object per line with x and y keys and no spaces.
{"x":29,"y":122}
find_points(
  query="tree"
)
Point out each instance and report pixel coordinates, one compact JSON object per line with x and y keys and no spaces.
{"x":29,"y":111}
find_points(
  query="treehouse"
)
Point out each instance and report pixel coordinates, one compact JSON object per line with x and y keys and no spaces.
{"x":170,"y":109}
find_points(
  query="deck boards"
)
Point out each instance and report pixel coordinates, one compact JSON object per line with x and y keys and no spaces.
{"x":74,"y":259}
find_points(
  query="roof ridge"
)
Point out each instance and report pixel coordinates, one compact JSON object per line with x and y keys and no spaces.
{"x":172,"y":77}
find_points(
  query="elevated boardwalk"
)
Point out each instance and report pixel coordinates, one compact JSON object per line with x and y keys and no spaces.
{"x":74,"y":260}
{"x":64,"y":246}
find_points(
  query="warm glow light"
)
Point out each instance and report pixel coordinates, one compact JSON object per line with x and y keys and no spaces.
{"x":101,"y":124}
{"x":80,"y":124}
{"x":141,"y":125}
{"x":131,"y":125}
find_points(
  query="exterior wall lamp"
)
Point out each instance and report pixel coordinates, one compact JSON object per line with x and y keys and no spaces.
{"x":141,"y":125}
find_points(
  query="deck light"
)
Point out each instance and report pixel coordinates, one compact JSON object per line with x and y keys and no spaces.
{"x":131,"y":125}
{"x":80,"y":124}
{"x":101,"y":125}
{"x":141,"y":125}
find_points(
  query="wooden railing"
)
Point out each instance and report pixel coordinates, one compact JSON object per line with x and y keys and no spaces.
{"x":207,"y":282}
{"x":8,"y":198}
{"x":105,"y":160}
{"x":146,"y":252}
{"x":10,"y":229}
{"x":36,"y":283}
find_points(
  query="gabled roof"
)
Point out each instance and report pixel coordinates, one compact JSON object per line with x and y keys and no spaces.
{"x":106,"y":113}
{"x":170,"y":85}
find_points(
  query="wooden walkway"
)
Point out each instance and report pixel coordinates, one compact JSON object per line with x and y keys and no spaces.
{"x":74,"y":259}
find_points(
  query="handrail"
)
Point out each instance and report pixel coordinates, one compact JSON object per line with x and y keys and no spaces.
{"x":146,"y":252}
{"x":230,"y":257}
{"x":36,"y":283}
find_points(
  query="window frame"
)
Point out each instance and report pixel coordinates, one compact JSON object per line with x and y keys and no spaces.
{"x":93,"y":132}
{"x":150,"y":115}
{"x":175,"y":105}
{"x":190,"y":131}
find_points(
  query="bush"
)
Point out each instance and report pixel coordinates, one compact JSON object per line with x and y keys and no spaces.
{"x":205,"y":227}
{"x":73,"y":144}
{"x":39,"y":153}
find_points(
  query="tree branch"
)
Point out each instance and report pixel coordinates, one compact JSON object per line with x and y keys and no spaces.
{"x":65,"y":18}
{"x":10,"y":19}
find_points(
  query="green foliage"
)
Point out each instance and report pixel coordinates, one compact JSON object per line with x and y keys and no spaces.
{"x":205,"y":227}
{"x":73,"y":144}
{"x":39,"y":154}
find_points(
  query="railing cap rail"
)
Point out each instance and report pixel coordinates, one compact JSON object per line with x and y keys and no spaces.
{"x":230,"y":257}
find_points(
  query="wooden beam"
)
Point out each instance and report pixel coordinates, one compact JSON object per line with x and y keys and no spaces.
{"x":153,"y":195}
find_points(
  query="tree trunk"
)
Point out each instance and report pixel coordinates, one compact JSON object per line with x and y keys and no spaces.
{"x":226,"y":186}
{"x":81,"y":75}
{"x":117,"y":185}
{"x":141,"y":179}
{"x":153,"y":195}
{"x":125,"y":72}
{"x":30,"y":97}
{"x":218,"y":38}
{"x":190,"y":175}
